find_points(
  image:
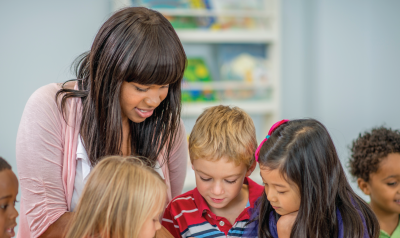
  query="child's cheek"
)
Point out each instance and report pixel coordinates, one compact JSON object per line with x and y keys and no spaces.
{"x":2,"y":221}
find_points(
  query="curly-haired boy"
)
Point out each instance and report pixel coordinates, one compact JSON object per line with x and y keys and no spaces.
{"x":375,"y":162}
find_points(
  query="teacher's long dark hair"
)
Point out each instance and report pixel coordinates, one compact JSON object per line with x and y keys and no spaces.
{"x":134,"y":45}
{"x":304,"y":153}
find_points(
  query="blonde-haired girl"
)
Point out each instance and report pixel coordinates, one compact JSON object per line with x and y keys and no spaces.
{"x":122,"y":198}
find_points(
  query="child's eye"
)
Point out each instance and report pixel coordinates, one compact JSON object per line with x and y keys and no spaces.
{"x":281,"y":192}
{"x":5,"y":206}
{"x":392,"y":184}
{"x":165,"y":86}
{"x":204,"y":179}
{"x":228,"y":181}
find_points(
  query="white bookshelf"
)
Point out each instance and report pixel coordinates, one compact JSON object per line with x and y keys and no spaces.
{"x":267,"y":109}
{"x":206,"y":12}
{"x":270,"y":35}
{"x":225,"y":36}
{"x":255,"y":107}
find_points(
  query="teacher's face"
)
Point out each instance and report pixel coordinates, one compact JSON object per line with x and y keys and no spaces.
{"x":138,"y":101}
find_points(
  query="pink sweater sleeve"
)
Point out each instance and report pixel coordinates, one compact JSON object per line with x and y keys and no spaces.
{"x":178,"y":162}
{"x":39,"y":154}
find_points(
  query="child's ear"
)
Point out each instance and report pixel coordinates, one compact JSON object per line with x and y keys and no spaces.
{"x":251,"y":169}
{"x":364,"y":186}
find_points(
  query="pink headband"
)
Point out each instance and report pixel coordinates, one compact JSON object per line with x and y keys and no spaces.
{"x":274,"y":126}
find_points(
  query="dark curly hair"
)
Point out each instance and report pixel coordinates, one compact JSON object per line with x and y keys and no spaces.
{"x":369,"y":149}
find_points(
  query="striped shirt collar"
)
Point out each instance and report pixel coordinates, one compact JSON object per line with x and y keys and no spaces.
{"x":203,"y":207}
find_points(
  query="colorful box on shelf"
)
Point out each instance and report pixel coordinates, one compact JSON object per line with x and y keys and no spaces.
{"x":197,"y":71}
{"x":210,"y":14}
{"x":161,"y":3}
{"x":243,"y":77}
{"x":203,"y":92}
{"x":202,"y":4}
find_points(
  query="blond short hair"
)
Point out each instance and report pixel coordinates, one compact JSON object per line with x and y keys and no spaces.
{"x":118,"y":196}
{"x":223,"y":131}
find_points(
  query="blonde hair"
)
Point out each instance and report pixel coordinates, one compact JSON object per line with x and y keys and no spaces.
{"x":118,"y":196}
{"x":223,"y":131}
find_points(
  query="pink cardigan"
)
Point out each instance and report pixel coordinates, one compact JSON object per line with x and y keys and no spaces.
{"x":46,"y":160}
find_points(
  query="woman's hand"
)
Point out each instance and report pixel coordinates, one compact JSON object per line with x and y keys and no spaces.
{"x":285,"y":224}
{"x":163,"y":233}
{"x":59,"y":227}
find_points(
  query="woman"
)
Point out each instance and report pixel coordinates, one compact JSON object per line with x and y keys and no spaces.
{"x":126,"y":101}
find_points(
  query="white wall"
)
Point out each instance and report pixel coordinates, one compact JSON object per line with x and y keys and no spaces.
{"x":341,"y":63}
{"x":38,"y":42}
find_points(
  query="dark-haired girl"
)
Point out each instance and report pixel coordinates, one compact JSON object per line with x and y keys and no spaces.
{"x":125,"y":101}
{"x":306,"y":191}
{"x":8,"y":198}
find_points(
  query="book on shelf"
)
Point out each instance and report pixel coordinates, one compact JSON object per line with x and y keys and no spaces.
{"x":209,"y":14}
{"x":203,"y":4}
{"x":241,"y":74}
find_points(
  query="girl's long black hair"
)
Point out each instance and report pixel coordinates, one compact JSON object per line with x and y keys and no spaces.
{"x":305,"y":154}
{"x":138,"y":45}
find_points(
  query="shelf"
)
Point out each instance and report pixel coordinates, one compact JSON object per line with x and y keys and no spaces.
{"x":225,"y":36}
{"x":211,"y":13}
{"x":251,"y":107}
{"x":223,"y":85}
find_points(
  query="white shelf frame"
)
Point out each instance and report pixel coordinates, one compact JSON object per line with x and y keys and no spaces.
{"x":213,"y":13}
{"x":222,"y":85}
{"x":225,"y":36}
{"x":251,"y":107}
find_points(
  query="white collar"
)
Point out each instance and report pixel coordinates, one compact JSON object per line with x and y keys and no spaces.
{"x":82,"y":154}
{"x":87,"y":166}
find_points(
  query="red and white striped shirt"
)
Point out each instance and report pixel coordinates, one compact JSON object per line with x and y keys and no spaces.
{"x":188,"y":215}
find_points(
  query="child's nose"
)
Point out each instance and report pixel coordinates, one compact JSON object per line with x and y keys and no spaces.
{"x":217,"y":189}
{"x":271,"y":196}
{"x":14,"y":213}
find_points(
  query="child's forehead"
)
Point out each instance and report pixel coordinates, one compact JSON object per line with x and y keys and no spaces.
{"x":222,"y":165}
{"x":226,"y":160}
{"x":272,"y":174}
{"x":388,"y":167}
{"x":275,"y":178}
{"x":8,"y":183}
{"x":8,"y":176}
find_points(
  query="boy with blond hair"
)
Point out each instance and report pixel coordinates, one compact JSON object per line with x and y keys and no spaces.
{"x":221,"y":147}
